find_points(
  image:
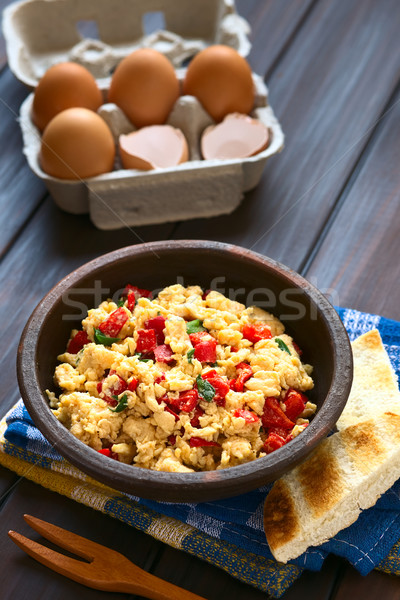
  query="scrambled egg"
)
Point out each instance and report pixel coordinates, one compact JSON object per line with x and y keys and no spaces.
{"x":183,"y":382}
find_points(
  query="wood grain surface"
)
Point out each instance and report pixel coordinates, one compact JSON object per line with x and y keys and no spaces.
{"x":327,"y":206}
{"x":273,"y":27}
{"x":21,"y":191}
{"x":363,"y":234}
{"x":328,"y":97}
{"x":8,"y":480}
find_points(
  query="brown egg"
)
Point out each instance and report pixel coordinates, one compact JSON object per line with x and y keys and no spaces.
{"x":64,"y":86}
{"x":238,"y":136}
{"x":221,"y":80}
{"x":158,"y":146}
{"x":77,"y":144}
{"x":145,"y":87}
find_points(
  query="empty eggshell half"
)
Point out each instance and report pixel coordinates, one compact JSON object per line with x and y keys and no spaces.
{"x":153,"y":147}
{"x":238,"y":136}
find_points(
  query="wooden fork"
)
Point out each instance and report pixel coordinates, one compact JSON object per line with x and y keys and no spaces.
{"x":106,"y":570}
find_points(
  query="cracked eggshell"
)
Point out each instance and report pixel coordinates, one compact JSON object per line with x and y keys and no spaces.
{"x":154,"y":147}
{"x":237,"y":136}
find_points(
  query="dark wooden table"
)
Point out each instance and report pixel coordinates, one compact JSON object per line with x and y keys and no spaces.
{"x":328,"y":206}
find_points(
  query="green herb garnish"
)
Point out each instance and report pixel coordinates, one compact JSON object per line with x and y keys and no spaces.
{"x":214,"y":364}
{"x":78,"y":357}
{"x":122,"y":404}
{"x":139,"y":356}
{"x":190,"y":355}
{"x":206,"y":390}
{"x":100,"y":338}
{"x":282,"y":345}
{"x":195,"y":326}
{"x":121,"y":302}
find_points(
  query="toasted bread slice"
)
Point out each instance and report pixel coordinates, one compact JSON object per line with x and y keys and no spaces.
{"x":348,"y":472}
{"x":375,"y":387}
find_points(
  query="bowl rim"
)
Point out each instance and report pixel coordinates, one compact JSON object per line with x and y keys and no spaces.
{"x":174,"y":485}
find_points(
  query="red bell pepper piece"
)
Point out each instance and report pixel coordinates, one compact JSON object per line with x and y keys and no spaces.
{"x":273,"y":415}
{"x":146,"y":341}
{"x":198,"y":412}
{"x":132,"y":293}
{"x":245,"y":372}
{"x":220,"y":386}
{"x":204,"y":346}
{"x":285,"y":434}
{"x":186,"y":401}
{"x":131,"y":301}
{"x":160,"y":378}
{"x":77,"y":342}
{"x":189,"y":400}
{"x":164,"y":354}
{"x":211,"y":373}
{"x":132,"y":385}
{"x":169,"y":407}
{"x":158,"y":324}
{"x":114,"y":323}
{"x":120,"y":386}
{"x":172,"y":440}
{"x":196,"y":442}
{"x":295,"y":346}
{"x":140,"y":292}
{"x":247,"y":415}
{"x":200,"y":336}
{"x":109,"y":453}
{"x":256,"y":332}
{"x":171,"y":412}
{"x":273,"y":442}
{"x":295,"y":403}
{"x":206,"y":351}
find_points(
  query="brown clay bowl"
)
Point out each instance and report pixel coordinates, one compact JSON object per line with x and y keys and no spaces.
{"x":252,"y":279}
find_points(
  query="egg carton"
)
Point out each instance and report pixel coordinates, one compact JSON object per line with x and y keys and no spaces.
{"x":40,"y":33}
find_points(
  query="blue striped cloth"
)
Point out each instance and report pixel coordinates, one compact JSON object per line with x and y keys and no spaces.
{"x":220,"y":530}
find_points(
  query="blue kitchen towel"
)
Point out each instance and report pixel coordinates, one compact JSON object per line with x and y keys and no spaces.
{"x":238,"y":521}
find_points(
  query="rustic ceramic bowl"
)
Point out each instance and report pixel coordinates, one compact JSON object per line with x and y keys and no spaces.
{"x":239,"y":273}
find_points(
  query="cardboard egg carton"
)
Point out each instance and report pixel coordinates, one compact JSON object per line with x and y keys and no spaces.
{"x":40,"y":33}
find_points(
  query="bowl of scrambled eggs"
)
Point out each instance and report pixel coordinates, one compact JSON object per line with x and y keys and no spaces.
{"x":184,"y":371}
